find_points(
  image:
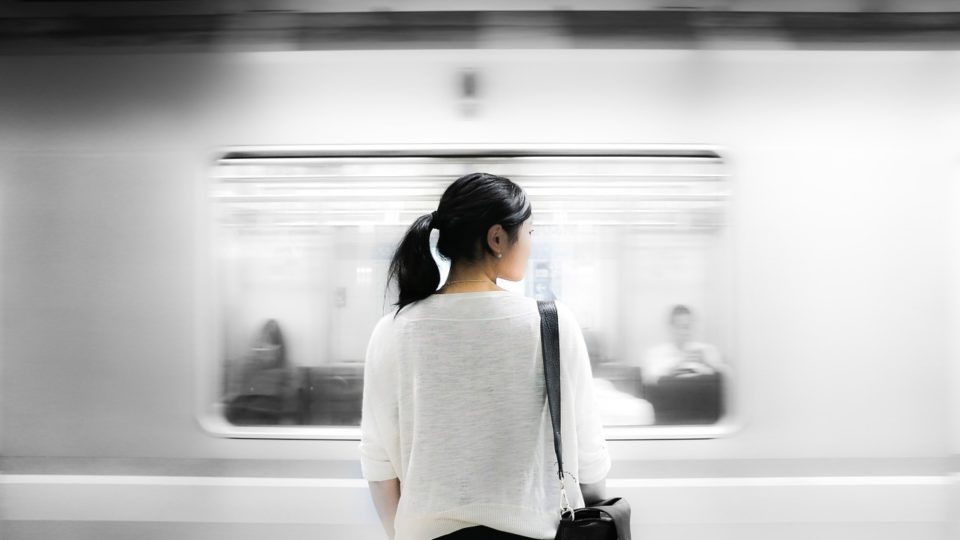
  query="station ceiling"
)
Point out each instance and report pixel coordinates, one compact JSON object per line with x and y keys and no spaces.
{"x":203,"y":25}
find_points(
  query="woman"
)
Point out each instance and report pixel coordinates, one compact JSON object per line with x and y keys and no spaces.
{"x":266,"y":394}
{"x":455,"y":434}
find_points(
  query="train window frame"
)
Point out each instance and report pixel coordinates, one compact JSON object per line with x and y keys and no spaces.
{"x":209,"y":350}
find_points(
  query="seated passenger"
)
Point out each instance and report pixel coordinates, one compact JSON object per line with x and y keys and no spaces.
{"x":266,"y":393}
{"x":681,"y":356}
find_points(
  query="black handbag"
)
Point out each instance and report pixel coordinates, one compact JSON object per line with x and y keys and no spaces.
{"x":604,"y":520}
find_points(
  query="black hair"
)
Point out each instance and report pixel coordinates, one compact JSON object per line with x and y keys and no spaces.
{"x":270,"y":334}
{"x":468,"y":208}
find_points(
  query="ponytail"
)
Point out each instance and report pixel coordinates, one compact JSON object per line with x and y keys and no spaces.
{"x":468,"y":208}
{"x":413,"y":266}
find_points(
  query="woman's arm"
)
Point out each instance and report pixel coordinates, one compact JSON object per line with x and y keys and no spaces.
{"x":594,"y":459}
{"x":386,"y":497}
{"x":378,"y":426}
{"x":595,"y":492}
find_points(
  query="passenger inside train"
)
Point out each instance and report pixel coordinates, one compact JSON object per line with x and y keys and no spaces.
{"x":681,"y":357}
{"x":265,"y":392}
{"x":683,"y":379}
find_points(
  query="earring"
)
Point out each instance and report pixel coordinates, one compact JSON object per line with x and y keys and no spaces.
{"x":499,"y":255}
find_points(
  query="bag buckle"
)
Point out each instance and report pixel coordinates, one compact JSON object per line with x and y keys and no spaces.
{"x":564,"y":502}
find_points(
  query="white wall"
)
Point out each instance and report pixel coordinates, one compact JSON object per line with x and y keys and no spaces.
{"x":953,"y":330}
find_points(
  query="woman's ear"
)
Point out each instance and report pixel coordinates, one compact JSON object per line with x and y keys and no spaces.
{"x":495,"y":238}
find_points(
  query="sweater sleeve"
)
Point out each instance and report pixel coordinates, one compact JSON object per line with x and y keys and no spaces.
{"x":375,"y":413}
{"x":594,"y":459}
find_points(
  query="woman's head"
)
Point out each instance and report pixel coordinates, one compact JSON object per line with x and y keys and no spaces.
{"x":269,"y":349}
{"x":480,"y":219}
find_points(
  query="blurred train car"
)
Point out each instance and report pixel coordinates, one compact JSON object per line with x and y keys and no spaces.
{"x":198,"y":207}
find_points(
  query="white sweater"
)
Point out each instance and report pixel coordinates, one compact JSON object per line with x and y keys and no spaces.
{"x":454,"y":406}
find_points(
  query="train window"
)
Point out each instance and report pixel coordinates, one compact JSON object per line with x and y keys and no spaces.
{"x":635,"y":240}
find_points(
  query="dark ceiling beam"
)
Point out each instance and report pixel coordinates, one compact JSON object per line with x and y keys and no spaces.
{"x":160,"y":8}
{"x":402,"y":29}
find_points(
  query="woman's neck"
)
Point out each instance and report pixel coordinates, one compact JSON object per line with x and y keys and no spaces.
{"x":475,"y":278}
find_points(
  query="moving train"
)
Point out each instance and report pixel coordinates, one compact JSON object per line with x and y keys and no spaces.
{"x":198,"y":208}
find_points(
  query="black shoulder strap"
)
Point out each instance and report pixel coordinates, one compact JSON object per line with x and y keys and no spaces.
{"x":550,"y":342}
